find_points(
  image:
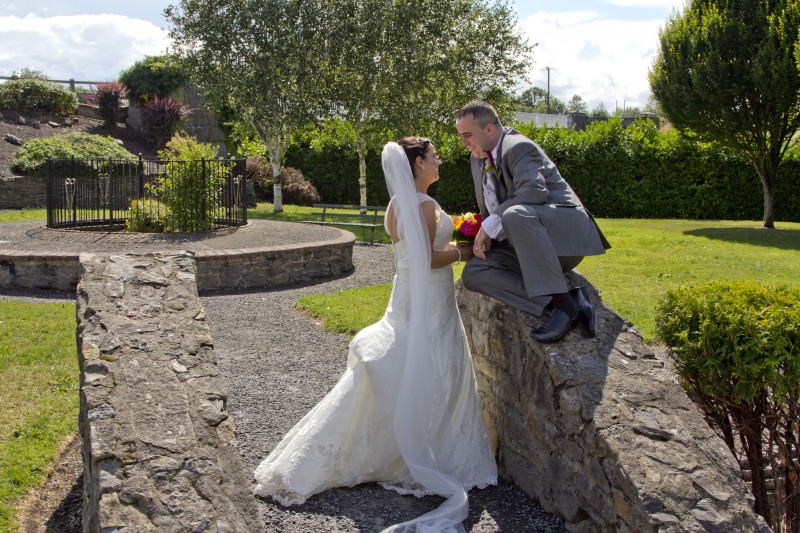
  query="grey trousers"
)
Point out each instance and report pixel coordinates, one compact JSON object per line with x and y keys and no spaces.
{"x":500,"y":276}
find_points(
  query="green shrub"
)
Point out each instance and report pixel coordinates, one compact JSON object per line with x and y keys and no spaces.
{"x":188,"y":189}
{"x":109,"y":96}
{"x":37,"y":95}
{"x":618,"y":172}
{"x":153,"y":76}
{"x":148,"y":216}
{"x":30,"y":159}
{"x":736,"y":345}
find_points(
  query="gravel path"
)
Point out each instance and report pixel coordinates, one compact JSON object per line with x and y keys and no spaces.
{"x":280,"y":363}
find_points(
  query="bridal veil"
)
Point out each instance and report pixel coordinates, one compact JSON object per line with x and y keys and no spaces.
{"x":416,"y":415}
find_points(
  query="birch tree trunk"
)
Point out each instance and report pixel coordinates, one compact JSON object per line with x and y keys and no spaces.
{"x":362,"y":170}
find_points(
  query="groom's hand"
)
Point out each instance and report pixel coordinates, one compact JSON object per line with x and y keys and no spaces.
{"x":482,"y":244}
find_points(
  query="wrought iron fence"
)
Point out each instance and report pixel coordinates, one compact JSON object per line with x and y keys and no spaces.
{"x":147,"y":195}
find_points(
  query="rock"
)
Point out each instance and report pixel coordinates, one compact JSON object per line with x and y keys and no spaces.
{"x":21,"y":119}
{"x":36,"y":124}
{"x":54,"y":124}
{"x":586,"y":417}
{"x":13,"y":139}
{"x":159,"y":446}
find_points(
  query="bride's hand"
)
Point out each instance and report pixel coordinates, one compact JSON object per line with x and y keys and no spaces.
{"x":466,"y":252}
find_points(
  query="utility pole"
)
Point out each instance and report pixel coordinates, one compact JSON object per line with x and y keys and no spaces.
{"x":548,"y":89}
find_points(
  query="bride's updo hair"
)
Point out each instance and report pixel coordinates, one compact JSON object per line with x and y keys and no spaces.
{"x":415,"y":147}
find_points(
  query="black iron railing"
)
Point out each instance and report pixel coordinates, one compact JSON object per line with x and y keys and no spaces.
{"x":146,"y":194}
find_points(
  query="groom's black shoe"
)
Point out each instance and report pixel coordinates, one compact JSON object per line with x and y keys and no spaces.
{"x":580,"y":296}
{"x":559,"y":324}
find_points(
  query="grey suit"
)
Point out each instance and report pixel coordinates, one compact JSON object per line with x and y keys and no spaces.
{"x":548,"y":229}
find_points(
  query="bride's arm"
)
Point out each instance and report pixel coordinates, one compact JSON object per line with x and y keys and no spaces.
{"x":441,"y":258}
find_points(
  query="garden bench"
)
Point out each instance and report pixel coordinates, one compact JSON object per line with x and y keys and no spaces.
{"x":368,"y":217}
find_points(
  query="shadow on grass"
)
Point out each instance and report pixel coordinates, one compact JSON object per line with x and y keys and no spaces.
{"x":784,"y":239}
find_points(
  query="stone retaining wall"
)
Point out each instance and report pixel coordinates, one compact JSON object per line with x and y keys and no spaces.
{"x":598,"y":430}
{"x":51,"y":271}
{"x":273,"y":266}
{"x":216,"y":270}
{"x":19,"y":192}
{"x":159,"y":448}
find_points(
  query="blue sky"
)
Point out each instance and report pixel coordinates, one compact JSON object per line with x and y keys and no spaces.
{"x":599,"y":49}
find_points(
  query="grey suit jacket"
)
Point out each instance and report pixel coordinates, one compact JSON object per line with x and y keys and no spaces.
{"x":528,"y":177}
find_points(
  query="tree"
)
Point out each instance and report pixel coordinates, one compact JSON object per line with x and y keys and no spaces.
{"x":600,"y":111}
{"x":400,"y":68}
{"x":652,"y":106}
{"x":263,"y":58}
{"x":557,"y":106}
{"x":532,"y":96}
{"x":726,"y":70}
{"x":151,"y":77}
{"x":31,"y":74}
{"x":577,"y":104}
{"x":629,"y":111}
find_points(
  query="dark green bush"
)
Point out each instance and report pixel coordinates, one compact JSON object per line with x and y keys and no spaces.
{"x":618,"y":172}
{"x":295,"y":189}
{"x":736,"y":345}
{"x":38,"y":96}
{"x":30,"y":159}
{"x":258,"y":171}
{"x":153,"y":76}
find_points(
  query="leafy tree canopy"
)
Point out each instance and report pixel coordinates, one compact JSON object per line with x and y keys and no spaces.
{"x":577,"y":104}
{"x":727,"y":71}
{"x":153,"y":76}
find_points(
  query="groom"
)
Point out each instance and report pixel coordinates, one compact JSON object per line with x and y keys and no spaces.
{"x":535,"y":228}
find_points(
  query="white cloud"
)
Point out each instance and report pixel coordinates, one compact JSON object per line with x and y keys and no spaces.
{"x":80,"y":47}
{"x":600,"y":58}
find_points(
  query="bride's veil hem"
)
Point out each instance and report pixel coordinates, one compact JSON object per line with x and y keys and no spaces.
{"x":412,"y":415}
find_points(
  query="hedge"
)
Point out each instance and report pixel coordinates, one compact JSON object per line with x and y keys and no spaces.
{"x":618,"y":172}
{"x":40,"y":96}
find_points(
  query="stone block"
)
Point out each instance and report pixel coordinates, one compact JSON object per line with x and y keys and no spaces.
{"x":159,"y":447}
{"x":621,"y":446}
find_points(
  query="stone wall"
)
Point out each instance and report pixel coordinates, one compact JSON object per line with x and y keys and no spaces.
{"x":159,"y":448}
{"x":598,"y":430}
{"x":26,"y":270}
{"x":274,"y":266}
{"x":19,"y":192}
{"x":216,"y":270}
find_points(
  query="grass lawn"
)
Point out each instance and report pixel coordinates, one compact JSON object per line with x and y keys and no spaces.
{"x":647,"y":258}
{"x":38,"y":361}
{"x":38,"y":398}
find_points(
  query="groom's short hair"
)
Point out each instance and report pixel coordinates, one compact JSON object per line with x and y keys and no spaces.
{"x":482,"y":112}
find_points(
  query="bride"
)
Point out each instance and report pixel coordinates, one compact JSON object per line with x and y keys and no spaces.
{"x":405,"y":413}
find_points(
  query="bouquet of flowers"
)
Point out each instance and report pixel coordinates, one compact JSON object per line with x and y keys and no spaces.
{"x":466,"y":227}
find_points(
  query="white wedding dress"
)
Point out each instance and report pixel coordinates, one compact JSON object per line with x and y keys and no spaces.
{"x":349,"y":437}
